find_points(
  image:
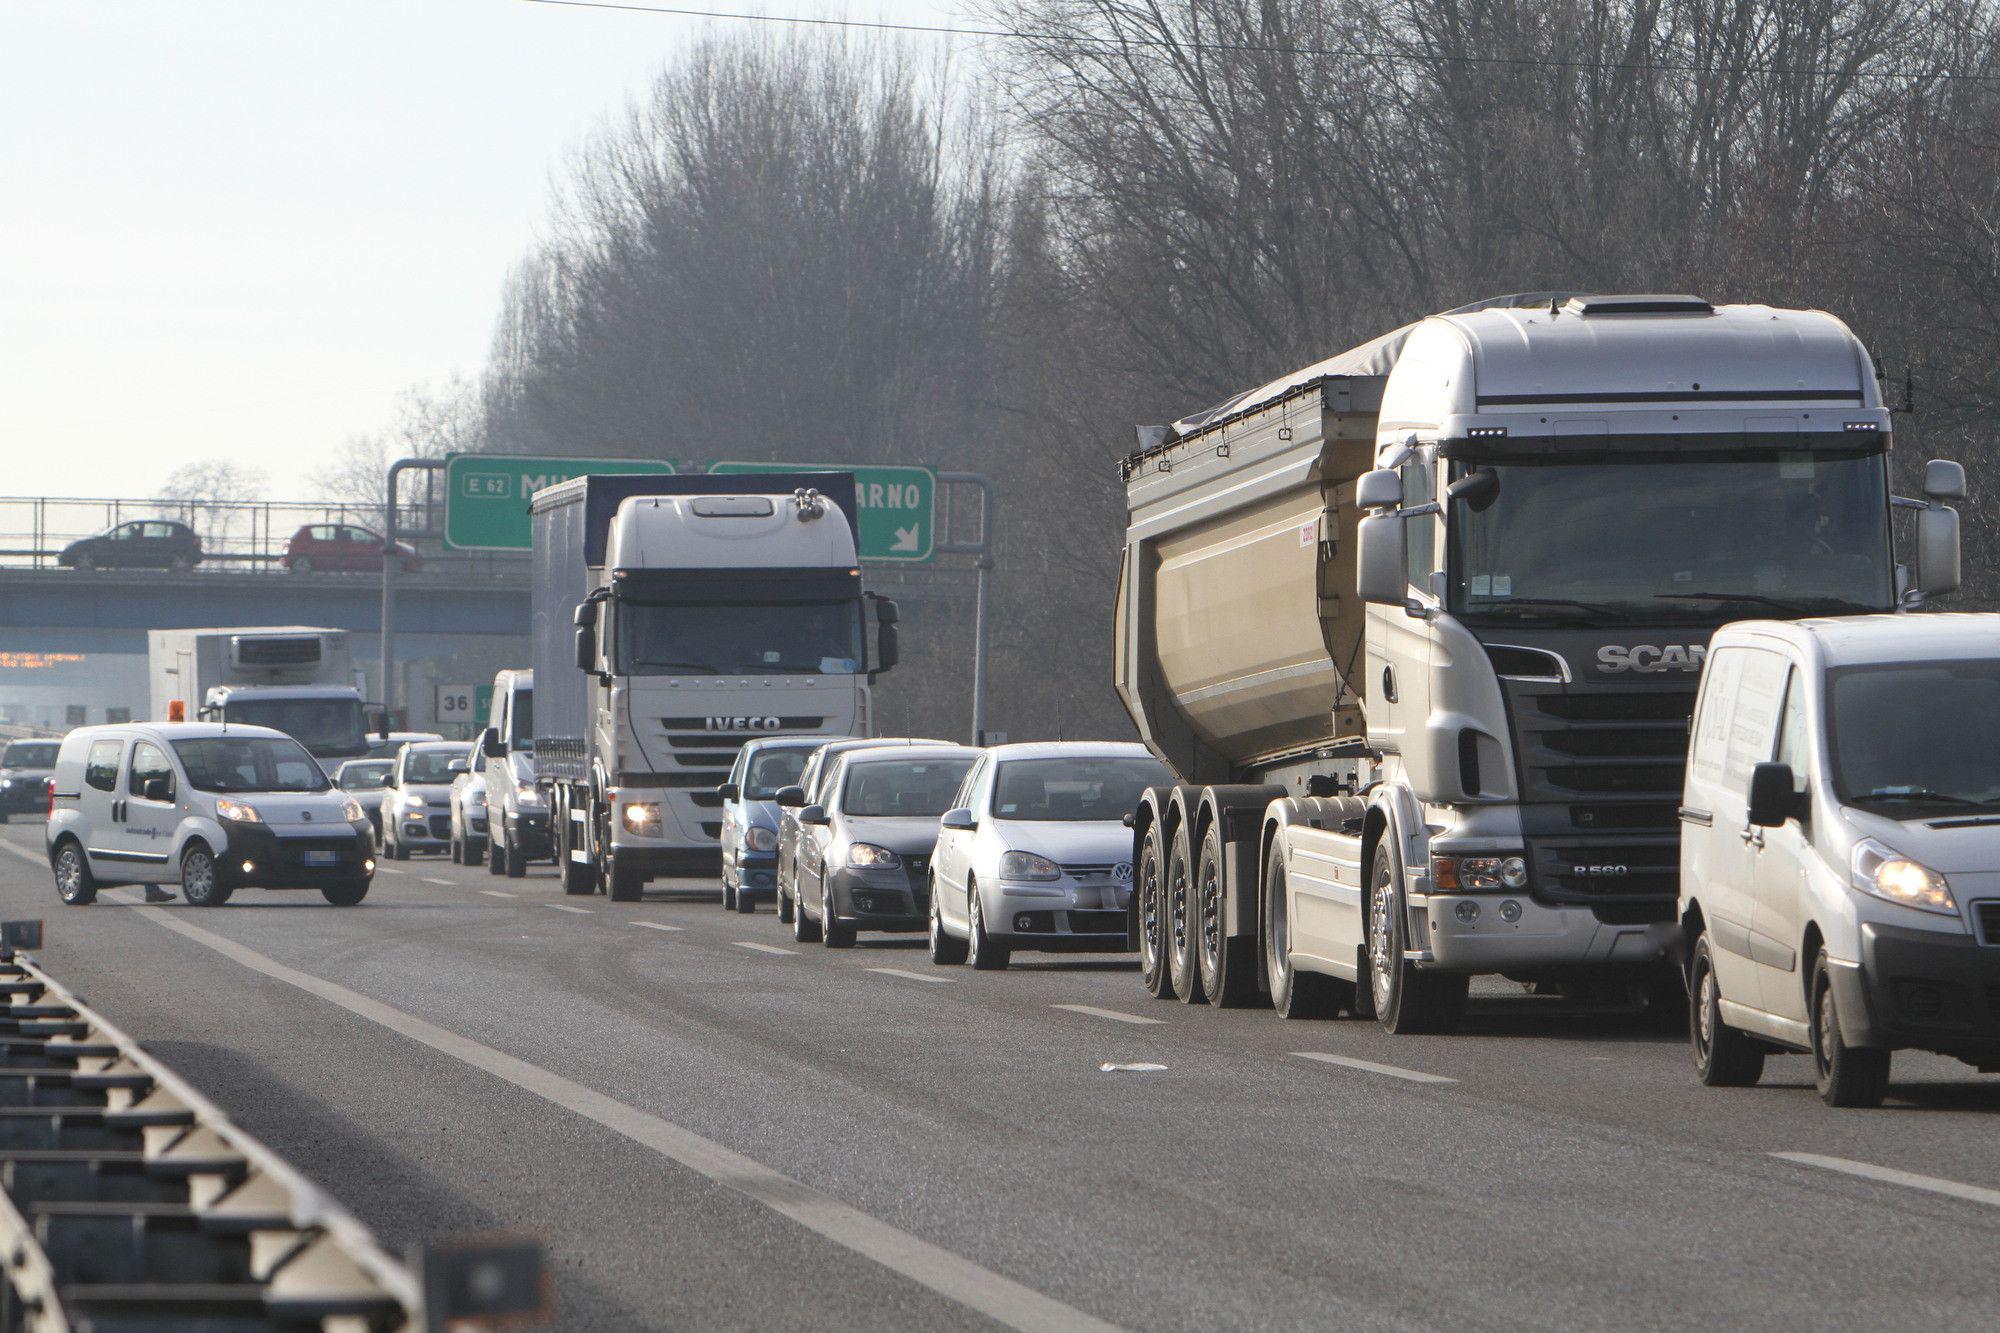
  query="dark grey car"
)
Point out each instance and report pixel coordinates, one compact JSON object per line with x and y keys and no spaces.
{"x":26,"y":768}
{"x":864,"y":850}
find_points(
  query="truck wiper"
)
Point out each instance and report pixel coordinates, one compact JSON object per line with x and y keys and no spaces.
{"x":709,"y":667}
{"x":1758,"y":599}
{"x":1591,"y":610}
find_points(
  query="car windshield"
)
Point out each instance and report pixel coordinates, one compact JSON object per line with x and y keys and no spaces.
{"x":429,"y":765}
{"x":1669,"y":537}
{"x":327,"y":727}
{"x":903,"y":788}
{"x":365,"y":777}
{"x":784,"y":638}
{"x":29,"y":754}
{"x":772,"y":769}
{"x":1074,"y":789}
{"x":249,"y":763}
{"x":1916,"y":738}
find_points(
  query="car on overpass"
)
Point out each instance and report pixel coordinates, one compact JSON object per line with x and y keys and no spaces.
{"x":148,"y":543}
{"x":343,"y":548}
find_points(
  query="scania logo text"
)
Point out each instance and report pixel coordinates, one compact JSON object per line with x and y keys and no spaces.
{"x":1651,"y":658}
{"x":740,"y":724}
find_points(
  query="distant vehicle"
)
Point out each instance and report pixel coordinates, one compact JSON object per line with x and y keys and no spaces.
{"x":343,"y":548}
{"x":1036,"y":854}
{"x":150,"y":543}
{"x":416,"y":807}
{"x":811,"y":788}
{"x":381,"y":746}
{"x":26,"y":768}
{"x":517,"y":808}
{"x":468,"y":809}
{"x":211,"y":808}
{"x":864,"y":852}
{"x":1840,"y":848}
{"x":296,"y":678}
{"x":366,"y":780}
{"x":750,"y":815}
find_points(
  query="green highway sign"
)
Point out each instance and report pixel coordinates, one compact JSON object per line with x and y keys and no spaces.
{"x":898,"y":505}
{"x":486,"y":495}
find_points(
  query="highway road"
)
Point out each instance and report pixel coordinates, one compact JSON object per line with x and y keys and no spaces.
{"x":712,"y":1126}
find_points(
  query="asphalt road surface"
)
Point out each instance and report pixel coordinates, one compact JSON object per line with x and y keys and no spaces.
{"x":711,"y":1126}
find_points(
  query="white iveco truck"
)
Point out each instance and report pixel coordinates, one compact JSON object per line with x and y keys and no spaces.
{"x":1419,"y":629}
{"x":674,"y":619}
{"x":295,"y":678}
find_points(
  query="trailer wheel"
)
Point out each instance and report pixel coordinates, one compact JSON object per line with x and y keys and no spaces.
{"x":1294,"y":994}
{"x":1228,"y":963}
{"x":1407,"y":1000}
{"x":1180,"y":921}
{"x":1149,"y":901}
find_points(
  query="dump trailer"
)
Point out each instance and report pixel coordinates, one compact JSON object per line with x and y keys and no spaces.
{"x":296,"y":678}
{"x":1419,"y":629}
{"x":675,"y":618}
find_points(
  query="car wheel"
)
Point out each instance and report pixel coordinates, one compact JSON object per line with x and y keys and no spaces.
{"x":397,"y":851}
{"x":200,"y":884}
{"x":1149,"y":902}
{"x":456,"y":851}
{"x":728,"y":894}
{"x":1407,"y":1000}
{"x":980,"y":950}
{"x":1294,"y":994}
{"x":1723,"y":1056}
{"x":75,"y":885}
{"x":946,"y":950}
{"x":784,"y":906}
{"x":347,"y":894}
{"x":301,"y":564}
{"x":1179,"y":923}
{"x":515,"y":859}
{"x":745,"y":904}
{"x":831,"y":932}
{"x":804,"y":929}
{"x":493,"y":865}
{"x":1845,"y":1075}
{"x":1228,"y":965}
{"x":180,"y":564}
{"x":86,"y":562}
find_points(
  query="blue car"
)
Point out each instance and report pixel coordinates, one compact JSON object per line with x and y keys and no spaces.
{"x":750,"y":815}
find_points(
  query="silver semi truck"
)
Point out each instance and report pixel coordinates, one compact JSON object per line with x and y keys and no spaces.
{"x":296,"y":678}
{"x":673,"y":619}
{"x":1419,"y":628}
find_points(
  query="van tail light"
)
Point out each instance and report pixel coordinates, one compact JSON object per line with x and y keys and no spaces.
{"x":50,"y":783}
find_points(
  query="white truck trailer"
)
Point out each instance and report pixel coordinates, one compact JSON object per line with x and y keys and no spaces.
{"x":1420,"y":626}
{"x":674,"y":618}
{"x":295,"y":678}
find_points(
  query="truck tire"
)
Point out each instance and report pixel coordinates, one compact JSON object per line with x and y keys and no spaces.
{"x":980,"y":950}
{"x":623,"y":885}
{"x":1228,"y":964}
{"x":513,"y":858}
{"x":946,"y":950}
{"x":1845,"y":1075}
{"x":1407,"y":1001}
{"x":1180,"y":923}
{"x":1723,"y":1056}
{"x":1149,"y":902}
{"x":75,"y":885}
{"x":1294,"y":994}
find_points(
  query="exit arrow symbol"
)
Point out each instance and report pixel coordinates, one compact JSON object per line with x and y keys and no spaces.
{"x":906,"y":540}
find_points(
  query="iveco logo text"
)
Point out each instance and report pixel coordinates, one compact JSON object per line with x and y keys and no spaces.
{"x":741,"y":723}
{"x":1648,"y":658}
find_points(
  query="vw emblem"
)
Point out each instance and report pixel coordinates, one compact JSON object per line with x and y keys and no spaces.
{"x":1122,"y":872}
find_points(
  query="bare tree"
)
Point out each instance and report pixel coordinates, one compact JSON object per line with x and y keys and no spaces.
{"x":215,"y":497}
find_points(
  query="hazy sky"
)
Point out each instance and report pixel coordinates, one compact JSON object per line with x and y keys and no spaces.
{"x":236,"y":228}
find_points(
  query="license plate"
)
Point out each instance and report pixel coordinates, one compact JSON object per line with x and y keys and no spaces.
{"x":322,"y":858}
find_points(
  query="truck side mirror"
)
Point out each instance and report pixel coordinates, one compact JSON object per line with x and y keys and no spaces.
{"x":1378,"y":562}
{"x":886,"y":611}
{"x":491,"y":745}
{"x":1944,"y":479}
{"x":1379,"y":488}
{"x":1773,"y":799}
{"x":888,"y":646}
{"x":1937,"y":550}
{"x":586,"y":647}
{"x":791,"y":797}
{"x":729,"y":791}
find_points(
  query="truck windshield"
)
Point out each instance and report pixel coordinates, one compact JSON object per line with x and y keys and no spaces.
{"x":776,"y":638}
{"x":903,"y":788}
{"x":1073,"y":789}
{"x":1675,"y":538}
{"x":249,"y":763}
{"x":327,"y":727}
{"x":29,"y":754}
{"x":1912,"y":739}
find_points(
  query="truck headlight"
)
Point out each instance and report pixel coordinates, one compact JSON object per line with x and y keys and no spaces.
{"x":867,"y":856}
{"x":1892,"y":877}
{"x":1478,"y":874}
{"x":242,"y":812}
{"x":352,"y":811}
{"x":758,"y":838}
{"x":642,"y":818}
{"x":1027,"y":865}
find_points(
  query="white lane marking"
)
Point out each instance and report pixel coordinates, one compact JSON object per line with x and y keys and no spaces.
{"x":654,"y":925}
{"x":25,"y":854}
{"x":952,"y":1276}
{"x":1111,"y":1014}
{"x":911,"y":976}
{"x":764,"y":948}
{"x":1890,"y":1176}
{"x":1369,"y":1066}
{"x":498,"y":893}
{"x":448,"y":883}
{"x":565,"y":907}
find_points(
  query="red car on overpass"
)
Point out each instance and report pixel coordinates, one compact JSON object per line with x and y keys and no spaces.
{"x":342,"y":548}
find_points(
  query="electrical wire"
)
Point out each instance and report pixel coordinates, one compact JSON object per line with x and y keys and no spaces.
{"x":1256,"y":48}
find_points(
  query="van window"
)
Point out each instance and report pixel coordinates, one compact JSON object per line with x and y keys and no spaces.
{"x":148,"y":762}
{"x":1753,"y":729}
{"x":1792,"y":744}
{"x":1711,"y":722}
{"x":101,"y":769}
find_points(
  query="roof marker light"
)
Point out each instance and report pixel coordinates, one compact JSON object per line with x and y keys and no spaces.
{"x":1485,"y":432}
{"x":1862,"y":425}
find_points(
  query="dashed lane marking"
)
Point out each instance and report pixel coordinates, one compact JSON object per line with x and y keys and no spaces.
{"x":1889,"y":1175}
{"x":447,"y":883}
{"x":499,"y":893}
{"x":930,"y":1266}
{"x":565,"y":907}
{"x":655,"y":925}
{"x":911,"y":976}
{"x":1369,"y":1066}
{"x":1111,"y":1014}
{"x":764,"y":948}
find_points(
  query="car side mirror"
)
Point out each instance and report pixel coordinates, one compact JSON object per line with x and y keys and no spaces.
{"x":458,"y":766}
{"x":791,"y":797}
{"x":1773,"y":799}
{"x":960,"y":818}
{"x":491,"y":745}
{"x":1379,"y":567}
{"x":158,"y":789}
{"x":729,"y":791}
{"x":814,"y":814}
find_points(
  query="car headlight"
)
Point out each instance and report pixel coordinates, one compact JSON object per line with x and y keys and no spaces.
{"x":867,"y":856}
{"x":1895,"y":878}
{"x":352,"y":810}
{"x":241,"y":812}
{"x":643,"y":818}
{"x":413,"y":802}
{"x":1476,"y":874}
{"x":1027,"y":865}
{"x":758,"y":838}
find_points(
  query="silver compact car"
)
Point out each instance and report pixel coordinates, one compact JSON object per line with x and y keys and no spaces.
{"x":366,"y":780}
{"x":864,"y":850}
{"x":416,"y":806}
{"x":468,"y":809}
{"x":1036,"y":855}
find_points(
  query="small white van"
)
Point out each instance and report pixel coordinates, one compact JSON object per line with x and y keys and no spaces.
{"x":212,"y":807}
{"x":1840,"y":848}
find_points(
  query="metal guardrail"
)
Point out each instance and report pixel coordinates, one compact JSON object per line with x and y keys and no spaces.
{"x":131,"y":1201}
